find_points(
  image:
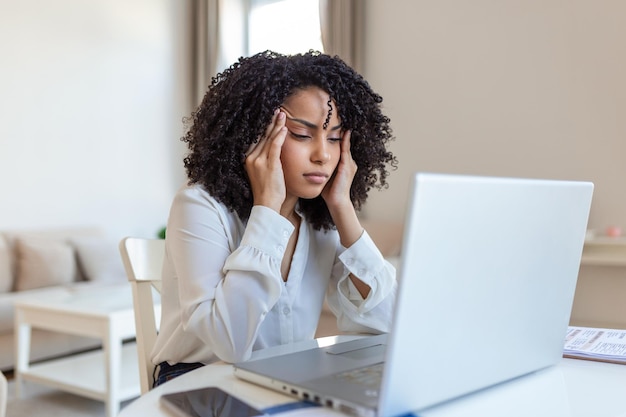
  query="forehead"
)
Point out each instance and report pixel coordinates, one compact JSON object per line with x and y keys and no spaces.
{"x":312,"y":104}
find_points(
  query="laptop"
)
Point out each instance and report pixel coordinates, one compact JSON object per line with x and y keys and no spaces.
{"x":486,"y":285}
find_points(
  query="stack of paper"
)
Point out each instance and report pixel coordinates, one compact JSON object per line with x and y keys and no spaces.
{"x":607,"y":345}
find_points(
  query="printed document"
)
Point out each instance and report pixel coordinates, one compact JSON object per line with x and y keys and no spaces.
{"x":607,"y":345}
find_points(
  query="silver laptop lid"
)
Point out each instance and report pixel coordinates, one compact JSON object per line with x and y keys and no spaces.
{"x":487,"y":280}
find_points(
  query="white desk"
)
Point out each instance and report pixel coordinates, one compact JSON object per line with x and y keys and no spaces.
{"x":109,"y":374}
{"x":574,"y":388}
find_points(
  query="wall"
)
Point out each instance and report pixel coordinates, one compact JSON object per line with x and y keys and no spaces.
{"x":93,"y":94}
{"x":529,"y":88}
{"x":532,"y":88}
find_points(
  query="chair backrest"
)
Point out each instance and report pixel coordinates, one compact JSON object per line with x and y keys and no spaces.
{"x":143,"y":261}
{"x":3,"y":395}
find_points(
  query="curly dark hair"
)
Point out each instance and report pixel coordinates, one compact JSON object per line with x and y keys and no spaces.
{"x":239,"y":104}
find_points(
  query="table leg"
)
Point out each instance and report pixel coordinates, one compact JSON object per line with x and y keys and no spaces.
{"x":22,"y":351}
{"x":112,"y":347}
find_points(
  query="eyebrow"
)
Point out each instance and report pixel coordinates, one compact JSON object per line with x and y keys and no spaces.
{"x":309,"y":124}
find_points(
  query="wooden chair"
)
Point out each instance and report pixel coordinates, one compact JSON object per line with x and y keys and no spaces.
{"x":143,"y":261}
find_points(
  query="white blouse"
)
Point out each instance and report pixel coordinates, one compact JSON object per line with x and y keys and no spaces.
{"x":223,"y":295}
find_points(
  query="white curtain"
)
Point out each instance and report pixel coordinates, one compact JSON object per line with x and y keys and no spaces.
{"x":218,"y":40}
{"x":219,"y":35}
{"x":204,"y":46}
{"x":342,"y":22}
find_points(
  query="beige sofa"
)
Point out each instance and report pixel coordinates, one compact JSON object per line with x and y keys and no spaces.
{"x":40,"y":264}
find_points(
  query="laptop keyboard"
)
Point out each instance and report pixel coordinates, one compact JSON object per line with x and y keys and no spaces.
{"x":370,"y":376}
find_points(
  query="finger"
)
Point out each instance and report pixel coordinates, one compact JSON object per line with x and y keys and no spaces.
{"x":276,"y":146}
{"x":252,"y":147}
{"x":276,"y":131}
{"x":279,"y":123}
{"x":271,"y":126}
{"x":345,"y":143}
{"x":260,"y":142}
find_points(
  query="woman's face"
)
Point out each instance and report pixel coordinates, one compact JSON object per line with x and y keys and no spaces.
{"x":311,"y":152}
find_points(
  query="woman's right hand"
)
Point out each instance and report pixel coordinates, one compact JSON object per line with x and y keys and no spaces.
{"x":264,"y":167}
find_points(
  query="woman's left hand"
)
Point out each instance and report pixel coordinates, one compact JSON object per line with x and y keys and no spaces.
{"x":337,"y":196}
{"x":336,"y":193}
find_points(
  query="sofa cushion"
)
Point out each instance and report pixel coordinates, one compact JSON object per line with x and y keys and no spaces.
{"x":43,"y":262}
{"x":6,"y":275}
{"x":99,"y":259}
{"x":56,"y":234}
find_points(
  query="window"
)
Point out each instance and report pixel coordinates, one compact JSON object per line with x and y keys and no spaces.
{"x":285,"y":26}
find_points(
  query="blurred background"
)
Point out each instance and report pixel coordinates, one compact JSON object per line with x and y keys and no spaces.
{"x":93,"y":95}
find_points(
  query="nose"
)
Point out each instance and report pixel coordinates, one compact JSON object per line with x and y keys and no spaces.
{"x":320,"y":153}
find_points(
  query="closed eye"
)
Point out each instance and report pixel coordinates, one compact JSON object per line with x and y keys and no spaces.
{"x":295,"y":135}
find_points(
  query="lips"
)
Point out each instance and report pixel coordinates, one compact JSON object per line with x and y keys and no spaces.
{"x":316,"y":177}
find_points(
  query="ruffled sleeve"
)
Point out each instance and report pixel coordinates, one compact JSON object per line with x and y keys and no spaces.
{"x":355,"y":314}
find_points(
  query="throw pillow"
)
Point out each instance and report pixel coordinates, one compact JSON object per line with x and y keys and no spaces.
{"x":99,"y":259}
{"x":43,"y":263}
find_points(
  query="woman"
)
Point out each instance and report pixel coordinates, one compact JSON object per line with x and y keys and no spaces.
{"x":283,"y":152}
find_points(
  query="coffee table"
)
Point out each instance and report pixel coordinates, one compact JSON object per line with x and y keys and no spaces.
{"x":110,"y":374}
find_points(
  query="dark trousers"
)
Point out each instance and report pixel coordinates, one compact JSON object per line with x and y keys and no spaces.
{"x":167,"y":371}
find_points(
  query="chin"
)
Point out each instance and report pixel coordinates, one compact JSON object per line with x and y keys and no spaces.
{"x":310,"y":196}
{"x":307,"y":191}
